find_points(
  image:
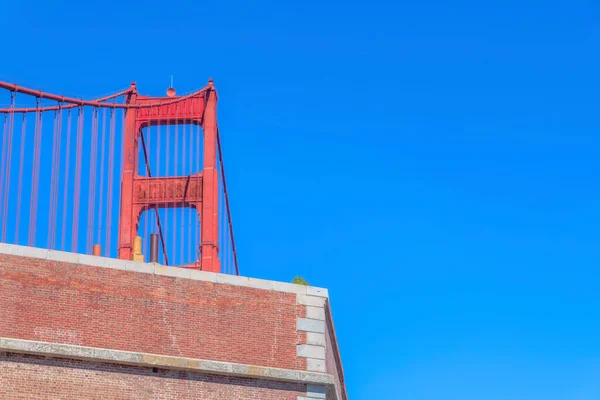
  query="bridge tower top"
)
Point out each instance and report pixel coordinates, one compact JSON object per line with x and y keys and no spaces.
{"x":185,"y":179}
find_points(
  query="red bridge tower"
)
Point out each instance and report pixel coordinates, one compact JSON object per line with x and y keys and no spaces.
{"x":144,"y":193}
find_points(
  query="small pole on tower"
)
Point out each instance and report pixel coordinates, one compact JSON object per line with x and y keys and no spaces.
{"x":171,"y":90}
{"x":154,"y":247}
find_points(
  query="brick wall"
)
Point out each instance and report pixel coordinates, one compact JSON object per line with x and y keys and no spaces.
{"x":27,"y":377}
{"x":109,"y":308}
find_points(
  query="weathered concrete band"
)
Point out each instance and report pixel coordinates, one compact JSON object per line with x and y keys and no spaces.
{"x":158,"y":269}
{"x":314,"y":392}
{"x":10,"y":345}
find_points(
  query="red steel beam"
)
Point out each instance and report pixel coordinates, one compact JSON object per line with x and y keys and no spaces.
{"x":92,"y":103}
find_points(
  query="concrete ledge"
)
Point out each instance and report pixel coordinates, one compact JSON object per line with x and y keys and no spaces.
{"x":310,"y":325}
{"x":316,"y":298}
{"x":46,"y":349}
{"x":313,"y":301}
{"x":310,"y":351}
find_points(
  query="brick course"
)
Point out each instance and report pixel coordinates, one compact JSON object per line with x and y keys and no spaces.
{"x":108,"y":308}
{"x":26,"y":377}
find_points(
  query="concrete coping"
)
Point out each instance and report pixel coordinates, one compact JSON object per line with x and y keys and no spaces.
{"x":158,"y":269}
{"x":46,"y":349}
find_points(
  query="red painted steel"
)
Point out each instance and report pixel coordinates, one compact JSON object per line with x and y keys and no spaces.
{"x":20,"y":186}
{"x":57,"y":171}
{"x":181,"y":241}
{"x":35,"y":174}
{"x":151,"y":104}
{"x":66,"y":189}
{"x":78,"y":154}
{"x":197,"y":169}
{"x":91,"y":205}
{"x":191,"y":169}
{"x":228,"y":208}
{"x":53,"y":179}
{"x":196,"y":188}
{"x":198,"y":191}
{"x":6,"y":167}
{"x":4,"y":85}
{"x":101,"y":192}
{"x":158,"y":224}
{"x":210,"y":182}
{"x":111,"y":158}
{"x":127,"y":221}
{"x":175,"y":172}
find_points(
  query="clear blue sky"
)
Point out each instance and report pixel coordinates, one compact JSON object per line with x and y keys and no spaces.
{"x":433,"y":163}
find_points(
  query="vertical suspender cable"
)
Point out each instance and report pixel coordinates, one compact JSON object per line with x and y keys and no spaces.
{"x":158,"y":223}
{"x":63,"y":230}
{"x":77,"y":189}
{"x":20,"y":185}
{"x":111,"y":159}
{"x":182,"y":211}
{"x":227,"y":236}
{"x":33,"y":206}
{"x":175,"y":169}
{"x":222,"y":244}
{"x":220,"y":241}
{"x":233,"y":249}
{"x":158,"y":133}
{"x":146,"y":237}
{"x":198,"y":182}
{"x":2,"y":159}
{"x":92,"y":182}
{"x":55,"y":135}
{"x":54,"y":174}
{"x":5,"y":124}
{"x":160,"y":232}
{"x":190,"y":239}
{"x":168,"y":135}
{"x":100,"y":202}
{"x":57,"y":176}
{"x":11,"y":126}
{"x":122,"y":158}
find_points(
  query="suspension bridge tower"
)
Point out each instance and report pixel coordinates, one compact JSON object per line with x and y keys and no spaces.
{"x":119,"y":274}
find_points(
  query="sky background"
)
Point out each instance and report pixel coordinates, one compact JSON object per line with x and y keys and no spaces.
{"x":433,"y":163}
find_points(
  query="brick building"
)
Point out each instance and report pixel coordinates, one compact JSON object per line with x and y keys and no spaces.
{"x":75,"y":326}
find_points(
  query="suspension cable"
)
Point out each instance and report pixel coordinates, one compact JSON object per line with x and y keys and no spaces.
{"x":5,"y":198}
{"x":233,"y":248}
{"x":92,"y":103}
{"x":182,"y":242}
{"x":175,"y":170}
{"x":92,"y":182}
{"x":100,"y":203}
{"x":66,"y":188}
{"x":35,"y":178}
{"x":162,"y":239}
{"x":111,"y":159}
{"x":77,"y":190}
{"x":20,"y":185}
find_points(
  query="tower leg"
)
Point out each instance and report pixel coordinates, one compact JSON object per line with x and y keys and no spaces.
{"x":126,"y":220}
{"x":210,"y":189}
